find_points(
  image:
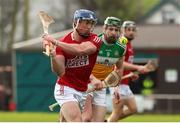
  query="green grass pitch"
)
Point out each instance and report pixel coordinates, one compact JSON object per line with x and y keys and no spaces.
{"x":53,"y":117}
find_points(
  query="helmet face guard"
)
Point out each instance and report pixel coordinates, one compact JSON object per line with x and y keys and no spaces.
{"x":113,"y":21}
{"x":116,"y":23}
{"x":127,"y":24}
{"x":84,"y":14}
{"x":81,"y":15}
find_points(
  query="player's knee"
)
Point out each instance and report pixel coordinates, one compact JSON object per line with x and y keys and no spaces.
{"x":86,"y":118}
{"x":133,"y":110}
{"x":117,"y":110}
{"x":116,"y":113}
{"x":76,"y":117}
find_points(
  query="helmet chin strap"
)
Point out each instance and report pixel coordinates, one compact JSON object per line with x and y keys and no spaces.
{"x":83,"y":35}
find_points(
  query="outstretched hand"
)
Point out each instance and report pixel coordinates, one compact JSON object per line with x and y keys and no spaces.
{"x":48,"y":38}
{"x":47,"y":42}
{"x":95,"y":84}
{"x":134,"y":76}
{"x":142,"y":69}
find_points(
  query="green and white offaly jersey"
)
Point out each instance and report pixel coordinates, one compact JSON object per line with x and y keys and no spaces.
{"x":107,"y":57}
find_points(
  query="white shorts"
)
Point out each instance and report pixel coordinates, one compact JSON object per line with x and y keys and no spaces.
{"x":65,"y":94}
{"x":99,"y":97}
{"x":124,"y":90}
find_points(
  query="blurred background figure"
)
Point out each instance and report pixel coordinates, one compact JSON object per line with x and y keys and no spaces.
{"x":5,"y":89}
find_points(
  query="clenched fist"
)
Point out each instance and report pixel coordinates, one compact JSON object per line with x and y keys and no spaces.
{"x":49,"y":38}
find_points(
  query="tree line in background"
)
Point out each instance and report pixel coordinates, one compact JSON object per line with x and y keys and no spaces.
{"x":124,"y":9}
{"x":8,"y":22}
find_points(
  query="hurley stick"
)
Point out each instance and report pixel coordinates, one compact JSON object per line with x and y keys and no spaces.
{"x":150,"y":66}
{"x":46,"y":21}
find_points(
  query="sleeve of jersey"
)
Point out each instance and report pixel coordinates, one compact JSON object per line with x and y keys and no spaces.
{"x":96,"y":41}
{"x":122,"y":46}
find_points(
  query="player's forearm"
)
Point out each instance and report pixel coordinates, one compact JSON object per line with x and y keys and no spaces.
{"x":75,"y":49}
{"x":84,"y":48}
{"x":93,"y":79}
{"x":129,"y":66}
{"x":119,"y":66}
{"x":120,"y":71}
{"x":119,"y":63}
{"x":57,"y":67}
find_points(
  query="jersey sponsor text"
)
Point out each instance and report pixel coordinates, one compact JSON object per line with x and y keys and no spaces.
{"x":78,"y":61}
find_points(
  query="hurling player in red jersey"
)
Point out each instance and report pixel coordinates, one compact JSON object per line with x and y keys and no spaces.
{"x":73,"y":62}
{"x":123,"y":93}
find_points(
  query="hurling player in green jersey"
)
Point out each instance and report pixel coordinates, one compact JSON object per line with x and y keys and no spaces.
{"x":110,"y":57}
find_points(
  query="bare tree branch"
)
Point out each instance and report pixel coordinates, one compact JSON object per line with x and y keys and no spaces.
{"x":12,"y":33}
